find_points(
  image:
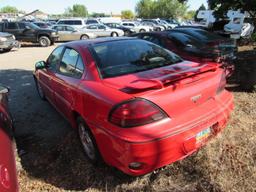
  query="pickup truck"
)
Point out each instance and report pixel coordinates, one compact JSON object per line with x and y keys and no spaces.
{"x":29,"y":32}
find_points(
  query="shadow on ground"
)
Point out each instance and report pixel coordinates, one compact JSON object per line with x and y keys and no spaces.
{"x":50,"y":151}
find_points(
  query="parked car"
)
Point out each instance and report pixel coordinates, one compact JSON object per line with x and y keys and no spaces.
{"x":155,"y":26}
{"x":135,"y":105}
{"x":172,"y":22}
{"x":127,"y":31}
{"x":69,"y":33}
{"x":7,"y":42}
{"x":156,"y":22}
{"x":196,"y":45}
{"x":29,"y":32}
{"x":8,"y":177}
{"x":101,"y":30}
{"x":137,"y":27}
{"x":78,"y":23}
{"x":42,"y":25}
{"x":92,"y":21}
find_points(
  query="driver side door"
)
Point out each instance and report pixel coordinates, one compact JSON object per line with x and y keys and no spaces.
{"x":27,"y":33}
{"x":47,"y":75}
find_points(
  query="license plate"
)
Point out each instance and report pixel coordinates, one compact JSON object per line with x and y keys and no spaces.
{"x":203,"y":135}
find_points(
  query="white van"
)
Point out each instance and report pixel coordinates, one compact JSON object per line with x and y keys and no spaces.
{"x":77,"y":23}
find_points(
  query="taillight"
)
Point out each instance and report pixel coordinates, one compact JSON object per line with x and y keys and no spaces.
{"x":135,"y":112}
{"x":222,"y":83}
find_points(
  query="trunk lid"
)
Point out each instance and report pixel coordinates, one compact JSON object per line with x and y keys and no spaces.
{"x":175,"y":88}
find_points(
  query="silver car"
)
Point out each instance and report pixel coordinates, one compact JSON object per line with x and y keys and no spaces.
{"x":69,"y":33}
{"x":101,"y":30}
{"x":7,"y":42}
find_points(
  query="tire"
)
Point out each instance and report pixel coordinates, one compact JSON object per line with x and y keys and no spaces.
{"x":40,"y":90}
{"x":44,"y":41}
{"x":84,"y":37}
{"x":88,"y":142}
{"x":142,"y":31}
{"x":7,"y":50}
{"x":114,"y":34}
{"x":127,"y":33}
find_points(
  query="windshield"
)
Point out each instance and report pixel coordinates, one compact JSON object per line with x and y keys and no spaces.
{"x":33,"y":26}
{"x":118,"y":58}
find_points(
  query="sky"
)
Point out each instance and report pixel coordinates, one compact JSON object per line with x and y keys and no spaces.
{"x":105,"y":6}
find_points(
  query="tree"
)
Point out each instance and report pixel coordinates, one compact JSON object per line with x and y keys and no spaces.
{"x":221,"y":7}
{"x":144,"y":8}
{"x":160,"y":8}
{"x":77,"y":10}
{"x":190,"y":15}
{"x":9,"y":9}
{"x":201,"y":8}
{"x":99,"y":15}
{"x":127,"y":14}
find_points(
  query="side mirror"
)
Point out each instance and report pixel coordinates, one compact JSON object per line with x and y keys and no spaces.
{"x":40,"y":65}
{"x":27,"y":28}
{"x":4,"y":90}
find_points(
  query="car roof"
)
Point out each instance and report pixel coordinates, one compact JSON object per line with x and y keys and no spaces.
{"x":90,"y":42}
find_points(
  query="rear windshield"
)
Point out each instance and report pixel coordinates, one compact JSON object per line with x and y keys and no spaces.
{"x":202,"y":34}
{"x":185,"y":39}
{"x":118,"y":58}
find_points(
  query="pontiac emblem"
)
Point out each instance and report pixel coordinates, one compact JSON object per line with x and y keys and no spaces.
{"x":196,"y":98}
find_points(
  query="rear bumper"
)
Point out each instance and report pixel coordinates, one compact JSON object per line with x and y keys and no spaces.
{"x":177,"y":143}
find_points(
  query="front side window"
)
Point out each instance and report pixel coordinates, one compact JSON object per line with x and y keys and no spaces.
{"x":54,"y":58}
{"x":92,"y":27}
{"x":71,"y":64}
{"x":130,"y":56}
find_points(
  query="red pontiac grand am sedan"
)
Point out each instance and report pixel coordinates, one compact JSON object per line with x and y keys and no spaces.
{"x":136,"y":105}
{"x":8,"y":178}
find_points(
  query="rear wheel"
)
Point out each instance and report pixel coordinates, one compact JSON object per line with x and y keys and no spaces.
{"x":7,"y":50}
{"x":84,"y":37}
{"x":88,"y":142}
{"x":40,"y":90}
{"x":114,"y":34}
{"x":44,"y":41}
{"x":142,"y":30}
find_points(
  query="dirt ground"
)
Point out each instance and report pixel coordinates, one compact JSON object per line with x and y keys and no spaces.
{"x":50,"y":158}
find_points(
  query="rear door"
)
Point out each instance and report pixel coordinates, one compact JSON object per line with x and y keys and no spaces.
{"x":67,"y":80}
{"x":13,"y":28}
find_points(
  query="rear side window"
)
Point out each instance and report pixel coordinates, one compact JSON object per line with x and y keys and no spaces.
{"x":71,"y":64}
{"x":12,"y":26}
{"x":183,"y":39}
{"x":1,"y":27}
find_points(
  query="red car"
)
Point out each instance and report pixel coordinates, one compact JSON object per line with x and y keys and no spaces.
{"x":8,"y":178}
{"x":136,"y":105}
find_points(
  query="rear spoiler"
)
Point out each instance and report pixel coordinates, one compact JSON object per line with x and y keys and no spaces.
{"x":169,"y":76}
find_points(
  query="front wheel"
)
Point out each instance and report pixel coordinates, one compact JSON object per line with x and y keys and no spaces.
{"x":84,"y":37}
{"x":88,"y":142}
{"x":114,"y":34}
{"x":44,"y":41}
{"x":142,"y":30}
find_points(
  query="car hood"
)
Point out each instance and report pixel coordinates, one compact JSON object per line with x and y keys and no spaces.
{"x":5,"y":34}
